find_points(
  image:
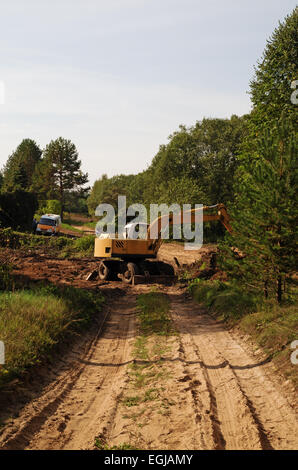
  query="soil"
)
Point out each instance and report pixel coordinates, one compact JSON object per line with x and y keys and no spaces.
{"x":213,"y":392}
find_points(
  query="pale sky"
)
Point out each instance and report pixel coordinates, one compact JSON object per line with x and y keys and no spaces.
{"x":117,"y":77}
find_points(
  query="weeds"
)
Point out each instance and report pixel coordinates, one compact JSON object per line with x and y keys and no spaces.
{"x":60,"y":245}
{"x":131,"y":401}
{"x":32,"y":321}
{"x":153,"y":309}
{"x":225,"y":299}
{"x":272,"y":326}
{"x":100,"y":444}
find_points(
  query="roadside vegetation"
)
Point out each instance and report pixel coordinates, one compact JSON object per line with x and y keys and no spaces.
{"x":34,"y":320}
{"x":60,"y":246}
{"x":272,"y":326}
{"x":261,"y":293}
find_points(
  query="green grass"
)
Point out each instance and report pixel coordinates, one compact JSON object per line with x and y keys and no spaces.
{"x":227,"y":300}
{"x":91,"y":225}
{"x":67,"y":226}
{"x":33,"y":321}
{"x":100,"y":444}
{"x":272,"y":327}
{"x":150,"y":345}
{"x":60,"y":245}
{"x":153,"y":314}
{"x":131,"y":401}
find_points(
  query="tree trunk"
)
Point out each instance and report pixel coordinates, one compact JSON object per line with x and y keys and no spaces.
{"x":61,"y":198}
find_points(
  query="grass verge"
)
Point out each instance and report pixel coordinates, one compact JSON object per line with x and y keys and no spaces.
{"x":271,"y":326}
{"x":33,"y":321}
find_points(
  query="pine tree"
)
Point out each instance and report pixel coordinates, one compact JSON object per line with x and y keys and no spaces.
{"x":61,"y":167}
{"x":270,"y":89}
{"x":265,"y":215}
{"x":19,"y":170}
{"x":265,"y":210}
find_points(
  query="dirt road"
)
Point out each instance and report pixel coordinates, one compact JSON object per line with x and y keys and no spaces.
{"x":206,"y":390}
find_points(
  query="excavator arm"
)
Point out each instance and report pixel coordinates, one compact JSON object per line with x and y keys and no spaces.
{"x":210,"y":213}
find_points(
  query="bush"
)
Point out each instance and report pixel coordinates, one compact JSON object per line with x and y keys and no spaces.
{"x":227,"y":299}
{"x":17,"y":210}
{"x":85,"y":243}
{"x":51,"y":206}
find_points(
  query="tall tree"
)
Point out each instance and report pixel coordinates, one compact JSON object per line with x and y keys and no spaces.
{"x":265,"y":215}
{"x":62,"y":166}
{"x":205,"y":154}
{"x":19,"y":170}
{"x":270,"y":88}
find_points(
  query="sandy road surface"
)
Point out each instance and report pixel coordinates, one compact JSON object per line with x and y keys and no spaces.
{"x":213,"y":394}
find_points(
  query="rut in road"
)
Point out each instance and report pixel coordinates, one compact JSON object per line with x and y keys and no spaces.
{"x":66,"y":415}
{"x":203,"y":390}
{"x":248,"y":409}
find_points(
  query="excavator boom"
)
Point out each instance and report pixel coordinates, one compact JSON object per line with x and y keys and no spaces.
{"x":128,"y":258}
{"x":210,"y":213}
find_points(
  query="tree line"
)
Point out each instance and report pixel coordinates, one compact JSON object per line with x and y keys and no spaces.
{"x":247,"y":162}
{"x":52,"y":174}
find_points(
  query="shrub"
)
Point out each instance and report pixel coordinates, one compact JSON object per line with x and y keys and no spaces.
{"x":227,"y":299}
{"x":17,"y":209}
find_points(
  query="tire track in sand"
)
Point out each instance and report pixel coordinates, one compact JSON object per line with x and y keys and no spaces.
{"x":68,"y":413}
{"x":248,"y":410}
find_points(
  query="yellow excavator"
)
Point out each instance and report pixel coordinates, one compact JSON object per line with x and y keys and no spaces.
{"x":134,"y":260}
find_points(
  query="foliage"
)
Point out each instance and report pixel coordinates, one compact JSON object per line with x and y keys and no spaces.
{"x":50,"y":206}
{"x":85,"y":244}
{"x":270,"y":88}
{"x":17,"y":209}
{"x":60,"y":246}
{"x":227,"y":299}
{"x":265,"y":215}
{"x":106,"y":190}
{"x":196,"y":166}
{"x":153,"y":313}
{"x":6,"y":280}
{"x":60,"y":170}
{"x":76,"y":201}
{"x":32,"y":321}
{"x":20,"y":167}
